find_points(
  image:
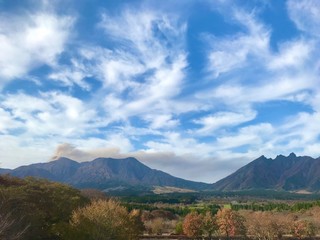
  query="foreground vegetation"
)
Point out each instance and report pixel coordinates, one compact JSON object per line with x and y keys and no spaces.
{"x":35,"y":209}
{"x":38,"y":209}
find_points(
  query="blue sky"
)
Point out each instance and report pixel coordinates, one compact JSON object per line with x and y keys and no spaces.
{"x":195,"y":88}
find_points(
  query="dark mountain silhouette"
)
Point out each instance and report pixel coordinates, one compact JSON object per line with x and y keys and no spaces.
{"x":289,"y":173}
{"x":104,"y":173}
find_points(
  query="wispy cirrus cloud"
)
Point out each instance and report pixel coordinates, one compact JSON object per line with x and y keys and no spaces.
{"x":221,"y":120}
{"x":233,"y":52}
{"x":142,"y":68}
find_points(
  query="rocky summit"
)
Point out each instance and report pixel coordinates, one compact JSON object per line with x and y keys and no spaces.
{"x":291,"y":173}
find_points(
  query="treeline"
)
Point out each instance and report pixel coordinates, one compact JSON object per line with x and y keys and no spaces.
{"x":171,"y":198}
{"x":274,"y":206}
{"x":191,"y":198}
{"x":242,"y":224}
{"x":180,"y":210}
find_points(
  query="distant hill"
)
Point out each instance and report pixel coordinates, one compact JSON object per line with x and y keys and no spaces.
{"x":289,"y":173}
{"x":104,"y":173}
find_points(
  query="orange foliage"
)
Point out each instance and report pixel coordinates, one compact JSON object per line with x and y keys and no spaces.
{"x":230,"y":223}
{"x":192,"y":225}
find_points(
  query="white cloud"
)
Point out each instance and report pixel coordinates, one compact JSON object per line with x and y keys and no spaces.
{"x":161,"y":121}
{"x":306,"y":15}
{"x":7,"y":122}
{"x":253,"y":135}
{"x":314,"y":100}
{"x":16,"y":151}
{"x":27,"y":42}
{"x":51,"y":114}
{"x":142,"y":71}
{"x":73,"y":74}
{"x":276,"y":87}
{"x":181,"y":145}
{"x":256,"y":72}
{"x":219,"y":120}
{"x":145,"y":37}
{"x":311,"y":149}
{"x":229,"y":53}
{"x":305,"y":127}
{"x":147,"y":31}
{"x":292,"y":54}
{"x":145,"y":70}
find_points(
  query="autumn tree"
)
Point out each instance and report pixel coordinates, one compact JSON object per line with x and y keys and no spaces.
{"x":103,"y":220}
{"x":230,"y":223}
{"x":209,"y":224}
{"x":192,"y":224}
{"x":265,"y":225}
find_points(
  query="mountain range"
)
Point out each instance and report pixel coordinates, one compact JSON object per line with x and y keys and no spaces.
{"x":290,"y":173}
{"x":103,"y":173}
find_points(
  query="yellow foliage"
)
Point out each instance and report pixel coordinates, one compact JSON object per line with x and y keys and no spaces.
{"x":107,"y":219}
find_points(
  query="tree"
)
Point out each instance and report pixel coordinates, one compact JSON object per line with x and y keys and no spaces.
{"x":268,"y":225}
{"x":192,"y":224}
{"x":103,"y":220}
{"x":209,"y":224}
{"x":230,"y":223}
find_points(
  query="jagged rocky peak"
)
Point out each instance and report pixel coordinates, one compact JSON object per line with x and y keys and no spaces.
{"x":292,"y":155}
{"x":290,"y":172}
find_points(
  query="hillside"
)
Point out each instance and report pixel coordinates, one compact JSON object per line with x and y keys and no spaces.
{"x":291,"y":173}
{"x":104,"y":173}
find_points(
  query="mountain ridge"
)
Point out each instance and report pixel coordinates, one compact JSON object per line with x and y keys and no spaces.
{"x":103,"y":173}
{"x":291,"y":173}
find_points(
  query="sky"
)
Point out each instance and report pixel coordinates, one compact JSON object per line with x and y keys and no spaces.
{"x":196,"y":88}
